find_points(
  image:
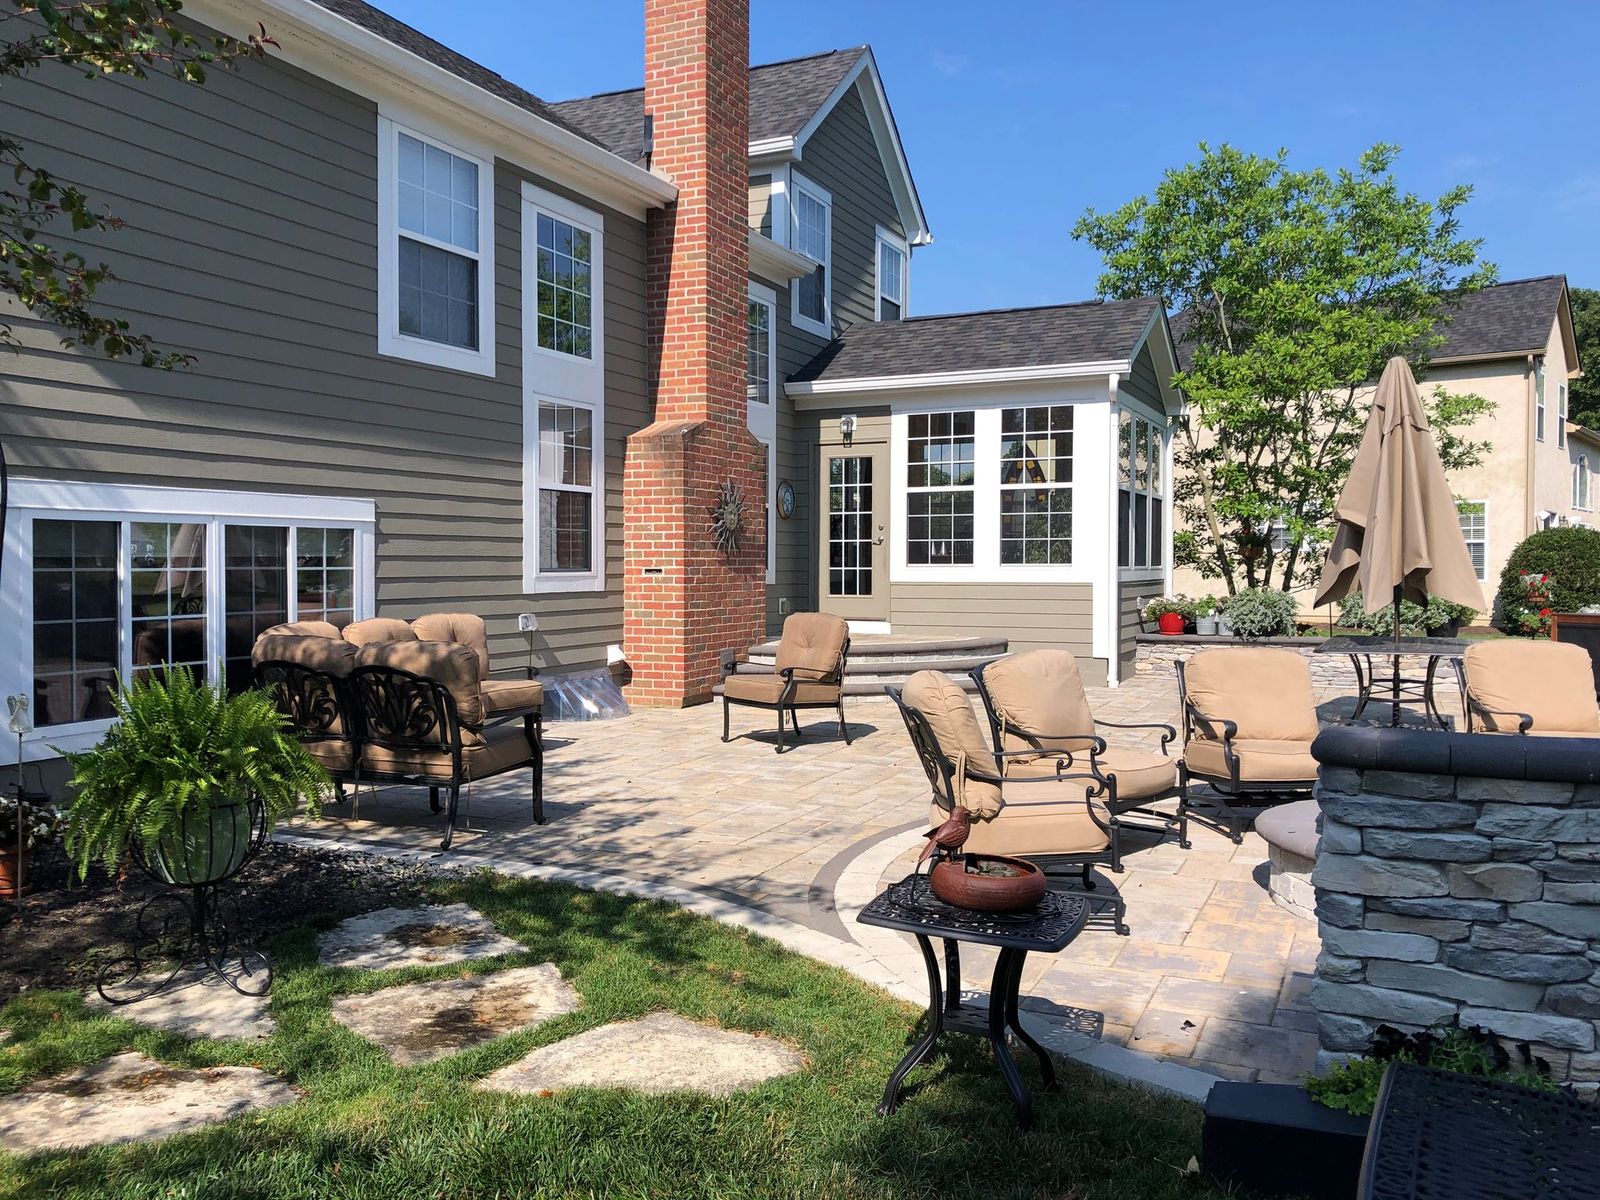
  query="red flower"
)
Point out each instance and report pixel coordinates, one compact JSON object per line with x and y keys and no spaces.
{"x":1545,"y":612}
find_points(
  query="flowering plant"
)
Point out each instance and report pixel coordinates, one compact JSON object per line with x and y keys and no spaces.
{"x":1531,"y":612}
{"x":38,"y":820}
{"x":1179,"y":605}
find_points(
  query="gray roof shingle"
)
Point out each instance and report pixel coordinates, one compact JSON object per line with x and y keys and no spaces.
{"x":783,"y":97}
{"x":1091,"y":331}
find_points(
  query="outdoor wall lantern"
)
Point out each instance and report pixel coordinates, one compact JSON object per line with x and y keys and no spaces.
{"x":847,"y":427}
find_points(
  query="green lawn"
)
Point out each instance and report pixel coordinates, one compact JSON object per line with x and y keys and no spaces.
{"x":366,"y":1128}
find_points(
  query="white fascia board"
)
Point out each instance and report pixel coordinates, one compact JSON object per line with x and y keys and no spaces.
{"x":336,"y":49}
{"x":776,"y":263}
{"x":134,"y":499}
{"x":823,"y":388}
{"x":780,"y":149}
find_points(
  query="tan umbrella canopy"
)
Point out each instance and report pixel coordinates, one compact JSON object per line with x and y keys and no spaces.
{"x":1398,"y":535}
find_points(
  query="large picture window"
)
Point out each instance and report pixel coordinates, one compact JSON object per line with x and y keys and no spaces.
{"x":1141,"y":493}
{"x":1036,"y":484}
{"x":435,"y":258}
{"x":940,"y":460}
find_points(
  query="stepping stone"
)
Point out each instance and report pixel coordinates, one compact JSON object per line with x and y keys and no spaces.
{"x":661,"y":1053}
{"x":414,"y":937}
{"x":196,"y":1004}
{"x":131,"y":1098}
{"x":420,"y":1022}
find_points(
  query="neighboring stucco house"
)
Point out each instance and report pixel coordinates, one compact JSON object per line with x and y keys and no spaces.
{"x":1512,"y":344}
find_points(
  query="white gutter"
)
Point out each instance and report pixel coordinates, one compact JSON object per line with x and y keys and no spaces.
{"x":776,"y":263}
{"x":949,"y":379}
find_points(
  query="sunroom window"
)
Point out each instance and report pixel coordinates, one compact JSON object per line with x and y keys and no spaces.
{"x":1141,"y":493}
{"x":1036,"y":484}
{"x":940,"y":464}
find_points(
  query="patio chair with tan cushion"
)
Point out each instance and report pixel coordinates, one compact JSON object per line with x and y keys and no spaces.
{"x":808,"y":673}
{"x":1249,"y":718}
{"x":1524,"y":685}
{"x":1039,"y":713}
{"x":1032,"y":813}
{"x":306,"y":667}
{"x":502,"y":698}
{"x":423,"y":722}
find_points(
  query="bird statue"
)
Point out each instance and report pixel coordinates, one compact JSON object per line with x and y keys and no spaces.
{"x":950,"y":836}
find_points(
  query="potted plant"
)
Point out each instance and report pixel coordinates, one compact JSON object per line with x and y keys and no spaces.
{"x":1224,"y":622}
{"x":1205,"y":616}
{"x":1169,"y":613}
{"x":27,"y":820}
{"x":185,"y":778}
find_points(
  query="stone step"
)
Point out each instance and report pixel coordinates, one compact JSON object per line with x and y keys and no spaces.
{"x":868,"y":686}
{"x":898,"y":668}
{"x":869,"y":648}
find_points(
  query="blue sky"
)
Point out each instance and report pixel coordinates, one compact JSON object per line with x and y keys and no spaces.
{"x":1018,"y":115}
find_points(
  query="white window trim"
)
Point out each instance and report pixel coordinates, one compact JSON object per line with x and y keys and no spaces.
{"x":1163,"y":570}
{"x":762,"y":419}
{"x":823,"y":328}
{"x":60,"y":500}
{"x":1561,"y":416}
{"x":1092,"y":481}
{"x":1582,"y":484}
{"x":391,"y":342}
{"x":562,"y":379}
{"x":1538,"y":401}
{"x":1483,"y":504}
{"x":891,"y":238}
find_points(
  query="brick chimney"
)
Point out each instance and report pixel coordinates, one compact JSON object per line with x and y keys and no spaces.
{"x":685,"y":601}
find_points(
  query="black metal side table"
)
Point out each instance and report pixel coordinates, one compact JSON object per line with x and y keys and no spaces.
{"x":911,"y":907}
{"x":1440,"y":1133}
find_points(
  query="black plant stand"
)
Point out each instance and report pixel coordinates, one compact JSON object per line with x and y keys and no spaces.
{"x":911,"y":907}
{"x":175,"y":931}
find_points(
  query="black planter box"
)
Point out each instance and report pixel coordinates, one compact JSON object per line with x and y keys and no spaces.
{"x":1274,"y":1139}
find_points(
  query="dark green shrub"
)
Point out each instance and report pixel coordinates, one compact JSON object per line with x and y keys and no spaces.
{"x":1415,"y":621}
{"x":1570,"y":557}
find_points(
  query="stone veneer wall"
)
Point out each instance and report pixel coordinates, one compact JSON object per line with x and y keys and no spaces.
{"x":1458,"y":878}
{"x":1155,"y":653}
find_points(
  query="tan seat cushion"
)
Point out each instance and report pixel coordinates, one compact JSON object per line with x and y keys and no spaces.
{"x":378,"y":629}
{"x":336,"y":756}
{"x":1265,"y":691}
{"x":1260,"y":760}
{"x":465,"y":629}
{"x":320,"y":629}
{"x":497,"y":749}
{"x":1040,"y":692}
{"x":502,"y":696}
{"x":1036,"y":819}
{"x":454,"y":666}
{"x":1553,"y":682}
{"x":948,"y":711}
{"x":1140,"y":774}
{"x":765,"y":689}
{"x":812,"y":644}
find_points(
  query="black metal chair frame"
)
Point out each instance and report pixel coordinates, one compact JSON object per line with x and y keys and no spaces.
{"x":1157,"y":821}
{"x":412,"y":714}
{"x":786,"y":701}
{"x":940,"y":771}
{"x":1476,"y":711}
{"x":303,"y":695}
{"x":1227,"y":787}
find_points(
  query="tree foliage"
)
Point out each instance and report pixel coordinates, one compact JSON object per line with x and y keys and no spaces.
{"x":100,"y":38}
{"x":1585,"y":395}
{"x":1293,"y":287}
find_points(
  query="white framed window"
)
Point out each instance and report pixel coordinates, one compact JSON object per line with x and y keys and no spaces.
{"x":1474,"y":518}
{"x":1561,"y":416}
{"x":1580,"y":483}
{"x":117,"y":580}
{"x":893,"y":270}
{"x":810,"y":295}
{"x":563,"y":339}
{"x":435,"y":250}
{"x":1036,"y":484}
{"x":941,"y":475}
{"x":1141,"y":492}
{"x":761,"y":391}
{"x":1538,"y":400}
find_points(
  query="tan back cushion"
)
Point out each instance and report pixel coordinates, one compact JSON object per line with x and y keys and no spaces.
{"x":948,"y":711}
{"x":1265,"y":691}
{"x":379,"y":629}
{"x":1040,"y":692}
{"x":1553,"y":682}
{"x":813,"y":643}
{"x":466,"y":629}
{"x":454,"y":666}
{"x":330,"y":655}
{"x":321,"y":629}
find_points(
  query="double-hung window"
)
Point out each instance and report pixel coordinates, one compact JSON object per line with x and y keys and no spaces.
{"x":125,"y":581}
{"x":761,"y":331}
{"x":1141,"y":492}
{"x":813,"y":237}
{"x":1036,"y":484}
{"x":941,"y":454}
{"x":893,"y":271}
{"x":563,"y":272}
{"x":1538,"y":400}
{"x":1474,"y":518}
{"x":436,"y":251}
{"x":1561,"y":416}
{"x":1580,"y":483}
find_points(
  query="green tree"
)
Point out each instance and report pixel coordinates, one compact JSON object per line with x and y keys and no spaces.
{"x":1294,"y":288}
{"x":1585,"y":395}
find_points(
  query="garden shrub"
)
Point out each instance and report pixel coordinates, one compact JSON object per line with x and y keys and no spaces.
{"x":1569,"y":557}
{"x":1352,"y":1086}
{"x":1415,"y":621}
{"x":1262,"y":612}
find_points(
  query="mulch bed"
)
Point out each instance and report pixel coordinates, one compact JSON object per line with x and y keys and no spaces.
{"x":68,"y":930}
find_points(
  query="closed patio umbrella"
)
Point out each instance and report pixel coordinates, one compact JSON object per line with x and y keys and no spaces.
{"x":1398,"y":535}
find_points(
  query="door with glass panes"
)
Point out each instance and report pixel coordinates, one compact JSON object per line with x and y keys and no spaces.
{"x":854,"y":577}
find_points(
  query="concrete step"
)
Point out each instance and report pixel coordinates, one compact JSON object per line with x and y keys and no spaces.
{"x":869,"y":686}
{"x":897,"y":668}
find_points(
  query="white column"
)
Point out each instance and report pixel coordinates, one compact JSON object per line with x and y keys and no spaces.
{"x":1106,"y":582}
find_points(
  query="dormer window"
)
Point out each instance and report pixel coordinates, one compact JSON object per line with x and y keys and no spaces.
{"x":893,"y":267}
{"x":813,"y":237}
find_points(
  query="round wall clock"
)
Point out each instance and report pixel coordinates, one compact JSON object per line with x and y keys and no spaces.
{"x":785,"y":499}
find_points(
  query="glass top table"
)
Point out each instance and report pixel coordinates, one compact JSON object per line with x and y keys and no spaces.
{"x":1368,"y":654}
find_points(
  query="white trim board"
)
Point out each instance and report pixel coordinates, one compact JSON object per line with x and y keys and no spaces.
{"x":982,"y":377}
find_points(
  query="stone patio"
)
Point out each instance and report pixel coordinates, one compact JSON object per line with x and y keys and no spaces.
{"x":1214,"y":976}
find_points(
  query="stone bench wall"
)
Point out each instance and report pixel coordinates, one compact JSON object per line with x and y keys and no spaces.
{"x":1460,"y":897}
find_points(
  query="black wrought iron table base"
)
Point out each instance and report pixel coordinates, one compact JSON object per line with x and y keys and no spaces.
{"x":946,"y":1013}
{"x":174,"y":933}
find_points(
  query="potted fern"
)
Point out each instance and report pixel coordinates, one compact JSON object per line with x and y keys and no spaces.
{"x":188,"y":779}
